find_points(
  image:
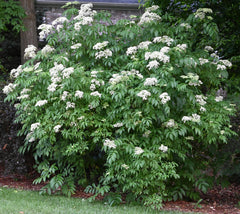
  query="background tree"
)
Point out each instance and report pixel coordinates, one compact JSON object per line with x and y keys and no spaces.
{"x":29,"y":36}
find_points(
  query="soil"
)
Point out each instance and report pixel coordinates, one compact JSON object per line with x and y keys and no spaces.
{"x":217,"y":200}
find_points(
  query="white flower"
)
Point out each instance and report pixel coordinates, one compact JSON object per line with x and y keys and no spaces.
{"x":221,"y":67}
{"x":138,"y":151}
{"x":160,"y":55}
{"x":152,"y":8}
{"x":125,"y":166}
{"x":131,"y":50}
{"x":29,"y":52}
{"x":92,"y":87}
{"x":70,"y":105}
{"x":79,"y":94}
{"x":144,"y":94}
{"x":222,"y":132}
{"x":16,"y":72}
{"x":201,"y":12}
{"x":153,"y":64}
{"x":52,"y":87}
{"x":106,"y":53}
{"x":99,"y":46}
{"x":24,"y":96}
{"x":202,"y":109}
{"x":150,"y":81}
{"x":193,"y":79}
{"x":203,"y":61}
{"x":164,"y":98}
{"x":219,"y":98}
{"x":29,"y":137}
{"x":170,"y":123}
{"x":201,"y":99}
{"x":34,"y":126}
{"x":76,"y":46}
{"x":147,"y":133}
{"x":67,"y":72}
{"x":41,"y":102}
{"x":189,"y":138}
{"x":46,"y":30}
{"x":144,"y":45}
{"x":47,"y":49}
{"x":57,"y":128}
{"x":163,"y":148}
{"x":149,"y":17}
{"x":226,"y":62}
{"x":209,"y":48}
{"x":96,"y":94}
{"x":64,"y":95}
{"x":163,"y":39}
{"x":59,"y":20}
{"x":195,"y":118}
{"x":109,"y":143}
{"x":117,"y":125}
{"x":182,"y":47}
{"x":186,"y":118}
{"x":9,"y":88}
{"x":186,"y":25}
{"x":77,"y":26}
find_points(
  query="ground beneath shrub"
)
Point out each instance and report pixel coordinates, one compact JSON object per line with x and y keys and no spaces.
{"x":216,"y":201}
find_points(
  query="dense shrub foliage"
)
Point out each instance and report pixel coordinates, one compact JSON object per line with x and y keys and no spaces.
{"x":131,"y":107}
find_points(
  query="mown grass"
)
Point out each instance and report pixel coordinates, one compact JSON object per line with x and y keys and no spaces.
{"x":14,"y":201}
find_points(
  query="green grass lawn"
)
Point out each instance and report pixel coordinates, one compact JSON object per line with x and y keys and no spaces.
{"x":13,"y":201}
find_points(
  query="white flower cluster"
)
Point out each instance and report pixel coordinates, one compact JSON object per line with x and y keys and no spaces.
{"x":64,"y":95}
{"x":164,"y":39}
{"x":225,"y":63}
{"x":149,"y":17}
{"x":219,"y":98}
{"x":117,"y":125}
{"x":138,"y":150}
{"x":103,"y":54}
{"x":55,"y":76}
{"x":79,"y":94}
{"x":201,"y":99}
{"x":101,"y":45}
{"x":58,"y":23}
{"x":181,"y":47}
{"x":153,"y":64}
{"x":163,"y":148}
{"x":164,"y":97}
{"x":171,"y":123}
{"x":185,"y":25}
{"x":132,"y":50}
{"x":46,"y":30}
{"x":29,"y":137}
{"x":57,"y":128}
{"x":29,"y":52}
{"x":201,"y":12}
{"x":76,"y":46}
{"x":150,"y":81}
{"x":85,"y":16}
{"x":144,"y":45}
{"x":47,"y":50}
{"x":9,"y":88}
{"x":193,"y":118}
{"x":116,"y":78}
{"x":109,"y":143}
{"x":221,"y":67}
{"x":34,"y":126}
{"x":208,"y":48}
{"x":96,"y":94}
{"x":16,"y":72}
{"x":67,"y":72}
{"x":41,"y":102}
{"x":203,"y":61}
{"x":70,"y":105}
{"x":144,"y":94}
{"x":147,"y":133}
{"x":160,"y":55}
{"x":95,"y":83}
{"x":193,"y":79}
{"x":152,"y":8}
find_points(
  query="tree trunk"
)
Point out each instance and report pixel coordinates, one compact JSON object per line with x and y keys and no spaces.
{"x":29,"y":36}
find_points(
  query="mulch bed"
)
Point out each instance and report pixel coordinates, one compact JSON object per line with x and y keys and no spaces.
{"x":216,"y":201}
